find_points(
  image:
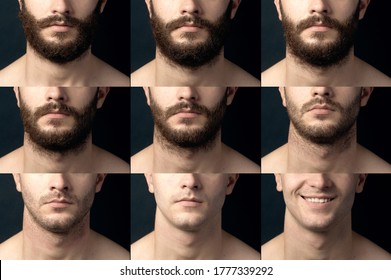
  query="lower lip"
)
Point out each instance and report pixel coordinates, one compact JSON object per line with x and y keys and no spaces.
{"x":187,"y":115}
{"x":60,"y":28}
{"x":189,"y":29}
{"x":59,"y":204}
{"x":321,"y":111}
{"x":188,"y":203}
{"x":319,"y":28}
{"x":56,"y":116}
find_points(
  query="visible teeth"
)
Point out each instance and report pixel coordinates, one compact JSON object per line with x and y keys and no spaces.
{"x":317,"y":200}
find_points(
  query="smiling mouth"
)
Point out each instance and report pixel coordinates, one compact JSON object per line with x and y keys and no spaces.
{"x":317,"y":199}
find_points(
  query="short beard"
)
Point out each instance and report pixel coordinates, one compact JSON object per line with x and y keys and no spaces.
{"x":63,"y":51}
{"x":321,"y":55}
{"x":193,"y":139}
{"x":325,"y":135}
{"x":191,"y":55}
{"x":63,"y":142}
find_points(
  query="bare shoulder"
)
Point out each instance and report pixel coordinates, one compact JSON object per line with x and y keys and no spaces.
{"x":236,"y":76}
{"x":274,"y":76}
{"x":364,"y":249}
{"x":273,"y":249}
{"x":108,"y":163}
{"x":12,"y":75}
{"x":235,"y":249}
{"x":12,"y":162}
{"x":142,"y":249}
{"x":275,"y":161}
{"x":142,"y":161}
{"x":368,"y":162}
{"x":144,"y":76}
{"x":370,"y":76}
{"x":11,"y":248}
{"x":107,"y":75}
{"x":238,"y":163}
{"x":106,"y":249}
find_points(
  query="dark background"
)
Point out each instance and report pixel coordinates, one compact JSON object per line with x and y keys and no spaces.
{"x":372,"y":129}
{"x":370,"y":213}
{"x":372,"y":44}
{"x":111,"y":43}
{"x":111,"y":130}
{"x":109,"y":214}
{"x":242,"y":45}
{"x":241,"y":212}
{"x":240,"y":129}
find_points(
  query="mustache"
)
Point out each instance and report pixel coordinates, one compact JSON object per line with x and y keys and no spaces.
{"x":62,"y":108}
{"x":321,"y":101}
{"x":189,"y":106}
{"x":196,"y":20}
{"x":326,"y":20}
{"x":51,"y":20}
{"x":57,"y":195}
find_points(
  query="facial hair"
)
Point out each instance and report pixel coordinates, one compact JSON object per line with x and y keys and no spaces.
{"x":59,"y":225}
{"x":191,"y":55}
{"x":321,"y":134}
{"x":62,"y":51}
{"x":195,"y":139}
{"x":59,"y":141}
{"x":322,"y":55}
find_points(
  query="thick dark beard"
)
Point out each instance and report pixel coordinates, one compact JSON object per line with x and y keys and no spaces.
{"x":64,"y":142}
{"x":325,"y":135}
{"x":63,"y":52}
{"x":194,"y":55}
{"x":194,"y":139}
{"x":321,"y":55}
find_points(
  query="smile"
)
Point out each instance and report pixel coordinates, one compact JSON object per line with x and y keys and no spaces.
{"x":317,"y":200}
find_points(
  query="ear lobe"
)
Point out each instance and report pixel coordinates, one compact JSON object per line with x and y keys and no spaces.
{"x":99,"y":181}
{"x":277,"y":4}
{"x":102,"y":94}
{"x":148,"y":2}
{"x":16,"y":91}
{"x":146,"y":92}
{"x":278,"y":182}
{"x":232,"y":179}
{"x":17,"y":181}
{"x":231,"y":94}
{"x":235,"y":6}
{"x":102,"y":6}
{"x":282,"y":94}
{"x":149,"y":179}
{"x":361,"y":182}
{"x":365,"y":94}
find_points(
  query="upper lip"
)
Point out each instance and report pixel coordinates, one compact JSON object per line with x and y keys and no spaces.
{"x":192,"y":24}
{"x":60,"y":23}
{"x":193,"y":199}
{"x":187,"y":110}
{"x":322,"y":106}
{"x":59,"y":200}
{"x":321,"y":23}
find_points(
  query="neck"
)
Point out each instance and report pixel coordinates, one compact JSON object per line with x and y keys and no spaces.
{"x":304,"y":155}
{"x":300,"y":73}
{"x":37,"y":159}
{"x":302,"y":243}
{"x":170,"y":74}
{"x":39,"y":243}
{"x":171,"y":242}
{"x":171,"y":158}
{"x":40,"y":71}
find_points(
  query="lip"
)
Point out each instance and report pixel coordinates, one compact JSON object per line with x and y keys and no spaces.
{"x":189,"y":202}
{"x":56,"y":114}
{"x":188,"y":113}
{"x":320,"y":27}
{"x":60,"y":27}
{"x":316,"y":201}
{"x":190,"y":27}
{"x":59,"y":203}
{"x":321,"y":109}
